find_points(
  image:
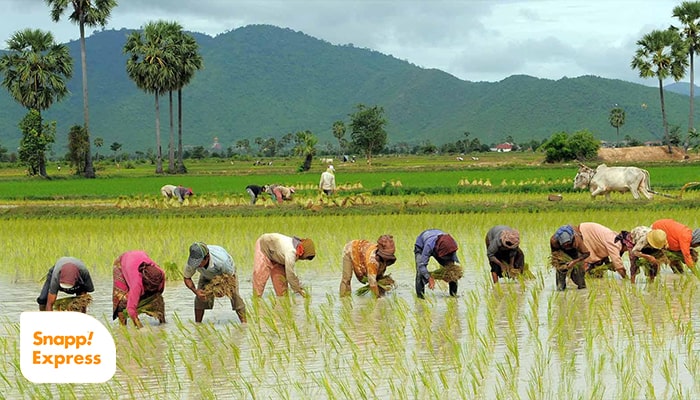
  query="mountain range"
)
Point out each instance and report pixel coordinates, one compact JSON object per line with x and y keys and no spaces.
{"x":266,"y":81}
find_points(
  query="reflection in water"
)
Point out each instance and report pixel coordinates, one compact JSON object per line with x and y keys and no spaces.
{"x":611,"y":340}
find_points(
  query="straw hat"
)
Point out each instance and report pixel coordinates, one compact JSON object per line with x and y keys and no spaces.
{"x":657,"y":239}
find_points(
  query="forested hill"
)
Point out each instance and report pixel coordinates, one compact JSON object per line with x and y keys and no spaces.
{"x":264,"y":81}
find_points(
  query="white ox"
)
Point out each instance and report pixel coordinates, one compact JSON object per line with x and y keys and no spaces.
{"x":604,"y":180}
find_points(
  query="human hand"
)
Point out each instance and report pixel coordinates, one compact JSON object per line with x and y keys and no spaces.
{"x":200,"y":294}
{"x":431,"y":283}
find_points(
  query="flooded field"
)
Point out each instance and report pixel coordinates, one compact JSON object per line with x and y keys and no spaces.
{"x":514,"y":340}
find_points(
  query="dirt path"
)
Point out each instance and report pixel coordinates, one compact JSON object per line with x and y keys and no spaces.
{"x":643,"y":154}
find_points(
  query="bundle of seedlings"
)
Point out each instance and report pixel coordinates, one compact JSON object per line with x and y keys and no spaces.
{"x":451,"y":272}
{"x":153,"y":306}
{"x":220,"y":286}
{"x":559,"y":259}
{"x":384,"y":284}
{"x":73,"y":303}
{"x":515,"y":273}
{"x":676,"y":260}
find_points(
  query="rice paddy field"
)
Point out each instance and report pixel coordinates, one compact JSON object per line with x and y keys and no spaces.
{"x":513,"y":340}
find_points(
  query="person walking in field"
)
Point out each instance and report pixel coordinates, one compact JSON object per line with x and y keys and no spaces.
{"x":647,"y":251}
{"x":368,"y":261}
{"x":138,"y":284}
{"x":567,"y":254}
{"x":275,"y":258}
{"x":681,"y":241}
{"x":327,"y":182}
{"x":605,"y":247}
{"x":441,"y":246}
{"x":68,"y":275}
{"x":216,"y":272}
{"x":504,"y":253}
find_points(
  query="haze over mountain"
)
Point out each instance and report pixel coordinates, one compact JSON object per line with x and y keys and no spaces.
{"x":265,"y":81}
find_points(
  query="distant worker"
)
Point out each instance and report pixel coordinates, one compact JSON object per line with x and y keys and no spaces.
{"x":280,"y":193}
{"x":178,"y":192}
{"x":138,"y":287}
{"x":327,"y":182}
{"x":439,"y":245}
{"x":567,"y":254}
{"x":275,"y":257}
{"x":368,"y":261}
{"x":254,"y":191}
{"x":648,"y":245}
{"x":211,"y":262}
{"x":68,"y":275}
{"x":681,"y":239}
{"x":503,"y":252}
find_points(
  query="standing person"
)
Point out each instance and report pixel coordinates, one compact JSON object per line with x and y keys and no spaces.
{"x":604,"y":246}
{"x":568,"y":252}
{"x":138,"y":287}
{"x":439,"y":245}
{"x":275,"y":257}
{"x":254,"y":191}
{"x":327,"y":182}
{"x":648,"y":245}
{"x":368,"y":261}
{"x":212,"y":261}
{"x":680,"y":240}
{"x":68,"y":275}
{"x":503,"y":251}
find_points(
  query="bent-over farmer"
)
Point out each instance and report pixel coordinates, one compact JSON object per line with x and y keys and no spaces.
{"x":68,"y":275}
{"x":605,"y":246}
{"x":648,"y":245}
{"x":503,"y":252}
{"x":368,"y":261}
{"x":439,"y":245}
{"x":138,"y":287}
{"x":567,"y":254}
{"x":212,"y":261}
{"x":275,"y":258}
{"x":681,"y":241}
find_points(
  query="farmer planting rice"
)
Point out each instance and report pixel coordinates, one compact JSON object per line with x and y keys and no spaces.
{"x":280,"y":193}
{"x":275,"y":257}
{"x":504,"y":253}
{"x":680,"y":242}
{"x":68,"y":275}
{"x":138,"y":288}
{"x":254,"y":191}
{"x":441,"y":246}
{"x":368,"y":261}
{"x":647,"y":251}
{"x":217,"y":278}
{"x":568,"y":253}
{"x":606,"y":248}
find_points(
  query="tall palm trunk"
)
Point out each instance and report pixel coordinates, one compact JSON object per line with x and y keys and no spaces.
{"x":159,"y":150}
{"x":691,"y":122}
{"x":171,"y":143}
{"x":89,"y":170}
{"x":663,"y":115}
{"x":181,"y":169}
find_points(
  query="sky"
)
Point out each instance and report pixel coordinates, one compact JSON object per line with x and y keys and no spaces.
{"x":473,"y":40}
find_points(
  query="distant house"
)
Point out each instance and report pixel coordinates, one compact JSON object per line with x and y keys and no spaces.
{"x":503,"y":147}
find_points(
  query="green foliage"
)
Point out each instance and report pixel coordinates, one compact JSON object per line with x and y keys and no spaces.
{"x":36,"y":139}
{"x":368,"y":134}
{"x":78,"y":144}
{"x":305,"y":146}
{"x":581,"y":146}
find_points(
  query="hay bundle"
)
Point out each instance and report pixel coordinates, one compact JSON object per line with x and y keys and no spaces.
{"x":222,"y":285}
{"x":73,"y":303}
{"x":384,"y":284}
{"x":449,"y":273}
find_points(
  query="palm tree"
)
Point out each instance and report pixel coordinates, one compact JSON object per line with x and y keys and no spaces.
{"x":152,"y":66}
{"x":98,"y":142}
{"x":661,"y":54}
{"x":190,"y":61}
{"x":617,"y":119}
{"x":305,"y":146}
{"x":339,"y":133}
{"x":688,"y":13}
{"x":90,"y":13}
{"x":35,"y":73}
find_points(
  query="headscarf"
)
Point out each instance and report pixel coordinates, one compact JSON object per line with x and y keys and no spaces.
{"x":510,"y":238}
{"x":564,"y":235}
{"x":151,"y":276}
{"x":626,"y":239}
{"x":445,"y":245}
{"x":696,"y":237}
{"x":308,"y":250}
{"x":386,"y":249}
{"x":68,"y":276}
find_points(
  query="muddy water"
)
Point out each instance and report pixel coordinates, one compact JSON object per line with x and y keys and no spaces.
{"x":611,"y":340}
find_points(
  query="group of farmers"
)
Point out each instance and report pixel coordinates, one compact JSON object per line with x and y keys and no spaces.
{"x":576,"y":251}
{"x":280,"y":193}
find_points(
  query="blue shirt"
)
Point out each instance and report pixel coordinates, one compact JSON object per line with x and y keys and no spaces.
{"x":425,"y":248}
{"x":220,"y":262}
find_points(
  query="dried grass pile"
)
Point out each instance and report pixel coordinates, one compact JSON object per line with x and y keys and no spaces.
{"x":222,"y":285}
{"x":384,"y":284}
{"x":449,"y":273}
{"x":73,"y":303}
